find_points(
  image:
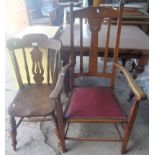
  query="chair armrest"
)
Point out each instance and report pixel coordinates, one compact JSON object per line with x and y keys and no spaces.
{"x":59,"y":85}
{"x":138,"y":92}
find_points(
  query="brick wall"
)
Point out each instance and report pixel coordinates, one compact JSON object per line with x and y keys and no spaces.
{"x":16,"y":16}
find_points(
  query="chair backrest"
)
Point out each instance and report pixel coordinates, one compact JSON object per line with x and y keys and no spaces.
{"x":101,"y":33}
{"x":35,"y":59}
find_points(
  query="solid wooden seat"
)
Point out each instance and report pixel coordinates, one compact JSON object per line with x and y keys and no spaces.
{"x":36,"y":63}
{"x":89,"y":102}
{"x":32,"y":100}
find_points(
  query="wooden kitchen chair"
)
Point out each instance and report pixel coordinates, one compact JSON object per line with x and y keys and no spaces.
{"x":96,"y":104}
{"x":36,"y":63}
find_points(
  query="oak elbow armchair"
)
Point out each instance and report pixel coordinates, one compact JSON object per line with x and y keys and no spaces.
{"x":95,"y":104}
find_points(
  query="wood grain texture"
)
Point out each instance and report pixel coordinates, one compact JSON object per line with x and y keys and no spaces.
{"x":95,"y":17}
{"x":36,"y":75}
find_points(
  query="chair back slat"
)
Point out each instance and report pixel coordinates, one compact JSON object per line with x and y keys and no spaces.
{"x":116,"y":49}
{"x":119,"y":23}
{"x":26,"y":66}
{"x":56,"y":68}
{"x":16,"y":69}
{"x":99,"y":25}
{"x":31,"y":57}
{"x":37,"y":66}
{"x":48,"y":67}
{"x":107,"y":46}
{"x":52,"y":60}
{"x":95,"y":26}
{"x":81,"y":45}
{"x":72,"y":54}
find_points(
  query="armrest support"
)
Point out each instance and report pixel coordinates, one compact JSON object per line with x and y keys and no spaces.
{"x":59,"y":85}
{"x":138,"y":92}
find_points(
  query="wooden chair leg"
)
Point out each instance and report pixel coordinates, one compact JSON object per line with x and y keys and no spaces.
{"x":129,"y":126}
{"x":125,"y":142}
{"x":61,"y":126}
{"x":13,"y":132}
{"x":56,"y":127}
{"x":62,"y":138}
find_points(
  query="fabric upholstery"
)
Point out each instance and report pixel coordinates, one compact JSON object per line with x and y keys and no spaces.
{"x":94,"y":102}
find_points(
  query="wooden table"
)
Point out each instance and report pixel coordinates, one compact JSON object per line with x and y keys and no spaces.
{"x":132,"y":15}
{"x":134,"y":42}
{"x":49,"y":31}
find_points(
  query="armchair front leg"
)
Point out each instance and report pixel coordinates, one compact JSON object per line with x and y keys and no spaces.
{"x":139,"y":95}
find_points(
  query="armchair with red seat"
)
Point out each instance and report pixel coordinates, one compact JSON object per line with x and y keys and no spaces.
{"x":95,"y":104}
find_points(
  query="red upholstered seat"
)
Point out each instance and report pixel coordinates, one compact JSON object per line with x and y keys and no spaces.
{"x":94,"y":102}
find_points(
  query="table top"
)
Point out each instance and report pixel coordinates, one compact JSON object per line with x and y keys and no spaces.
{"x":128,"y":5}
{"x":132,"y":38}
{"x":49,"y":31}
{"x":68,"y":3}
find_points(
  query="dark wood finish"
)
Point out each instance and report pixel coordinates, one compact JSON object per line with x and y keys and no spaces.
{"x":95,"y":17}
{"x":128,"y":128}
{"x":135,"y":17}
{"x":139,"y":47}
{"x":36,"y":62}
{"x":13,"y":132}
{"x":131,"y":16}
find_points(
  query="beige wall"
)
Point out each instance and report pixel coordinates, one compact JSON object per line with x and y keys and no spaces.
{"x":16,"y":16}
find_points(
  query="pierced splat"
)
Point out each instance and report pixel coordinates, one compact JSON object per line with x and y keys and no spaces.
{"x":37,"y":67}
{"x":31,"y":59}
{"x":95,"y":26}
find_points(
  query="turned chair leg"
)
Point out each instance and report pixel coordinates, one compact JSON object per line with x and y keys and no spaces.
{"x":61,"y":134}
{"x":62,"y":139}
{"x":56,"y":128}
{"x":13,"y":132}
{"x":61,"y":126}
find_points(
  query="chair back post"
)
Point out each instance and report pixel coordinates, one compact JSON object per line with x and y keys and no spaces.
{"x":72,"y":54}
{"x":119,"y":24}
{"x":72,"y":34}
{"x":116,"y":49}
